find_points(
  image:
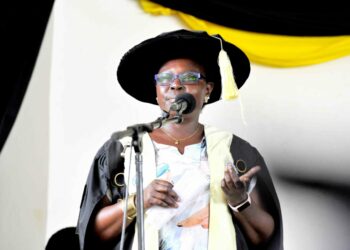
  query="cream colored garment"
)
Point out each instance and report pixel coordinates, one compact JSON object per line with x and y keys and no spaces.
{"x":221,"y":229}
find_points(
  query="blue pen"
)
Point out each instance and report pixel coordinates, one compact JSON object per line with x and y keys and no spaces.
{"x":162,"y":169}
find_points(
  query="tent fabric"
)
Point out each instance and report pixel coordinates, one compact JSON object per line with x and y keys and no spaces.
{"x":23,"y":25}
{"x":263,"y":48}
{"x":283,"y":18}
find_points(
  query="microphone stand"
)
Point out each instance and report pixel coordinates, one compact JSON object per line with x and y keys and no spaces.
{"x":136,"y":132}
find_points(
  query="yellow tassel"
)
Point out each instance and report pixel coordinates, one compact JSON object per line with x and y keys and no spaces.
{"x":229,"y":90}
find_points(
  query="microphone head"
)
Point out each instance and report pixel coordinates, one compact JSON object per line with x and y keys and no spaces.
{"x":190,"y":101}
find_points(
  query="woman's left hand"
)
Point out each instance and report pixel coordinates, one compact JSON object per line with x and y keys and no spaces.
{"x":235,"y":187}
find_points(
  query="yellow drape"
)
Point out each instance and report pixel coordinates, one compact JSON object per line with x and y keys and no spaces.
{"x":267,"y":49}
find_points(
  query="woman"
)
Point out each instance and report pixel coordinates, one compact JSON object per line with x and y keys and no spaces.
{"x":204,"y":188}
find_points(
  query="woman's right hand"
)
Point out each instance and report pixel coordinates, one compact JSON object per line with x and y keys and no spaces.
{"x":160,"y":193}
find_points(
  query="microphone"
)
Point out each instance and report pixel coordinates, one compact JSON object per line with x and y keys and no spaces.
{"x":184,"y":104}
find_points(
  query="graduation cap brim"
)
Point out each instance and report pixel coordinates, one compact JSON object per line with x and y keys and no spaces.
{"x":138,"y":66}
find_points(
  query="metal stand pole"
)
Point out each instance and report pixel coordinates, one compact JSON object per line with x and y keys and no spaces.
{"x":139,"y":202}
{"x":136,"y":132}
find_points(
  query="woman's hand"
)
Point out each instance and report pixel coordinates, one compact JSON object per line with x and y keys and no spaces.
{"x":257,"y":224}
{"x":160,"y":193}
{"x":235,"y":187}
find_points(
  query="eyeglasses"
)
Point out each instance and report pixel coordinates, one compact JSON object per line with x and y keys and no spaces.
{"x":167,"y":78}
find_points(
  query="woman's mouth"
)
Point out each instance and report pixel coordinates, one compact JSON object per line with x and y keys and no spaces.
{"x":170,"y":99}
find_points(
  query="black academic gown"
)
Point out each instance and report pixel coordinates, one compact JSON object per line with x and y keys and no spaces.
{"x":108,"y":162}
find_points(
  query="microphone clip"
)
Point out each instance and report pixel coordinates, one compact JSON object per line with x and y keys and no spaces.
{"x":165,"y":117}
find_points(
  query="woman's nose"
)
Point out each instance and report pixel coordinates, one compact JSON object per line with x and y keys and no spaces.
{"x":176,"y":85}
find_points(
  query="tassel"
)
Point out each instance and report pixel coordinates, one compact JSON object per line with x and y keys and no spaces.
{"x":229,"y":89}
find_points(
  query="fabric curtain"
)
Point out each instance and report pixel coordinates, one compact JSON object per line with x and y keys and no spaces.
{"x":23,"y":25}
{"x":273,"y":37}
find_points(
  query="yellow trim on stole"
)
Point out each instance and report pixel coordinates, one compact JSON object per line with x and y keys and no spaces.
{"x":221,"y":229}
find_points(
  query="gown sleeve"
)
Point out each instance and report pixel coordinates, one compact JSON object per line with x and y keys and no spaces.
{"x":106,"y":165}
{"x":242,"y":151}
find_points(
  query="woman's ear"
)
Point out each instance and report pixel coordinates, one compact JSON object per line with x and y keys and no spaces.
{"x":209,"y":88}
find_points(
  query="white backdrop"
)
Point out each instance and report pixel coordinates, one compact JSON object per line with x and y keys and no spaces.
{"x":296,"y":117}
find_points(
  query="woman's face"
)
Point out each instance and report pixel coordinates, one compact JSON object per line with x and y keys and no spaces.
{"x":166,"y":94}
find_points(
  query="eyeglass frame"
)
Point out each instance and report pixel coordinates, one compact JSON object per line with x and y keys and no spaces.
{"x":177,"y":76}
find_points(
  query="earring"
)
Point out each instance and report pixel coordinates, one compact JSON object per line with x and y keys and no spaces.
{"x":206,"y":99}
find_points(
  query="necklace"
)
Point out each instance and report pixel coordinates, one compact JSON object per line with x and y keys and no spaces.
{"x":177,"y":141}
